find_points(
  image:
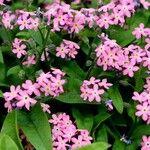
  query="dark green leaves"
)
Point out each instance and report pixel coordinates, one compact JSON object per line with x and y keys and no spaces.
{"x":139,"y":131}
{"x":36,"y":127}
{"x":83,"y":120}
{"x":10,"y":128}
{"x":116,"y":97}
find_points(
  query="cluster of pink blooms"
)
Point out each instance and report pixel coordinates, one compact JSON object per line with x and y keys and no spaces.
{"x":92,"y":89}
{"x":20,"y":49}
{"x":22,"y":19}
{"x":145,"y":143}
{"x":49,"y":84}
{"x":67,"y":49}
{"x":65,"y":134}
{"x":62,"y":17}
{"x":127,"y":60}
{"x":143,"y":99}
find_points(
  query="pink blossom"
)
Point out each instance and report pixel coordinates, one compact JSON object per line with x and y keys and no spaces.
{"x":30,"y":60}
{"x":143,"y":110}
{"x":139,"y":31}
{"x":31,"y":88}
{"x":18,"y":47}
{"x":145,"y":143}
{"x":25,"y":100}
{"x":46,"y":108}
{"x":12,"y":94}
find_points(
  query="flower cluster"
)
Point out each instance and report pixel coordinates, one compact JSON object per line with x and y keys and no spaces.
{"x":20,"y":49}
{"x":67,"y":49}
{"x":143,"y":107}
{"x":127,"y":60}
{"x":22,"y":19}
{"x":145,"y":143}
{"x":65,"y":134}
{"x":51,"y":84}
{"x":92,"y":89}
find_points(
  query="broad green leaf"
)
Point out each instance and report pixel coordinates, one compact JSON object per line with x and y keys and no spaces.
{"x":56,"y":39}
{"x":36,"y":127}
{"x":73,"y":98}
{"x":14,"y":70}
{"x":83,"y":119}
{"x":141,"y":130}
{"x":139,"y":17}
{"x":122,"y":36}
{"x":13,"y":75}
{"x":85,"y":48}
{"x":118,"y":145}
{"x":73,"y":70}
{"x":5,"y":35}
{"x":73,"y":84}
{"x":139,"y":79}
{"x":131,"y":110}
{"x":116,"y":97}
{"x":23,"y":34}
{"x":36,"y":36}
{"x":6,"y":143}
{"x":88,"y":33}
{"x":10,"y":128}
{"x":101,"y":134}
{"x":96,"y":146}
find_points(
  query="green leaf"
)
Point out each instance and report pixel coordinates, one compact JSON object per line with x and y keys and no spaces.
{"x":141,"y":130}
{"x":83,"y":119}
{"x":88,"y":32}
{"x":139,"y":17}
{"x":122,"y":36}
{"x":36,"y":36}
{"x":139,"y":79}
{"x":98,"y":119}
{"x":116,"y":97}
{"x":96,"y":146}
{"x":73,"y":98}
{"x":101,"y":134}
{"x":73,"y":70}
{"x":36,"y":127}
{"x":118,"y":145}
{"x":6,"y":143}
{"x":14,"y":70}
{"x":10,"y":128}
{"x":23,"y":34}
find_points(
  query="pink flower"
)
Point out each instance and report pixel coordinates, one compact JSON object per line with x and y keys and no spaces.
{"x":147,"y":46}
{"x":130,"y":69}
{"x":62,"y":51}
{"x":93,"y":89}
{"x":46,"y":108}
{"x":12,"y":94}
{"x":139,"y":97}
{"x":104,"y":21}
{"x":24,"y":22}
{"x":145,"y":143}
{"x":7,"y":20}
{"x":25,"y":100}
{"x":145,"y":4}
{"x":18,"y":47}
{"x":139,"y":31}
{"x":31,"y":88}
{"x":30,"y":60}
{"x":143,"y":110}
